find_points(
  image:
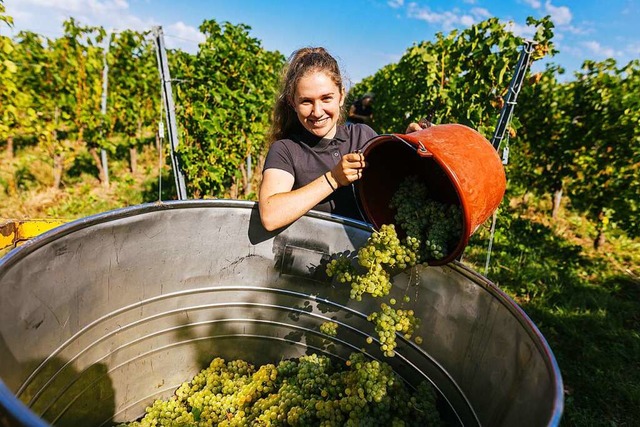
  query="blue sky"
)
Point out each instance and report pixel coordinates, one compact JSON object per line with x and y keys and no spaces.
{"x":364,"y":35}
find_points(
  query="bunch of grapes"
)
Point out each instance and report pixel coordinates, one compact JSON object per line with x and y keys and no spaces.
{"x":342,"y":269}
{"x":389,"y":321}
{"x":384,"y":250}
{"x":437,"y":226}
{"x":444,"y":232}
{"x":309,"y":391}
{"x":329,"y":328}
{"x":382,"y":255}
{"x":408,"y":201}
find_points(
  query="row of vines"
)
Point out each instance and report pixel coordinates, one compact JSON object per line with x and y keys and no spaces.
{"x":92,"y":91}
{"x":578,"y":137}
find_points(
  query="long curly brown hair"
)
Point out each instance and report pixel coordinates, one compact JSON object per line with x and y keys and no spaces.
{"x":300,"y":63}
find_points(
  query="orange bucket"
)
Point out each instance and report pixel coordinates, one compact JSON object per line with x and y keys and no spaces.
{"x":458,"y":165}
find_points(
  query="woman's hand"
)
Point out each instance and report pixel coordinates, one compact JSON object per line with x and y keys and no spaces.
{"x":413,"y":127}
{"x":348,"y":170}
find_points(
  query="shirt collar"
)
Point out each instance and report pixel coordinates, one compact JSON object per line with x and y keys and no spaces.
{"x":318,"y":143}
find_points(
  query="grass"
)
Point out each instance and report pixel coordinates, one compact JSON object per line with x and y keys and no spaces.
{"x":586,"y":303}
{"x":26,"y":183}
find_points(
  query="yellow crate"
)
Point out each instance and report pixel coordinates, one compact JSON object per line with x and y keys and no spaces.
{"x":14,"y":232}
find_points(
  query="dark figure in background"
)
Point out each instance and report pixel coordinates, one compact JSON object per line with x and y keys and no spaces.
{"x":361,"y":111}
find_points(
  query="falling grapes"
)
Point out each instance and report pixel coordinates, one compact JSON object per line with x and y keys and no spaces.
{"x":312,"y":390}
{"x":381,"y":256}
{"x":432,"y":230}
{"x":389,"y":321}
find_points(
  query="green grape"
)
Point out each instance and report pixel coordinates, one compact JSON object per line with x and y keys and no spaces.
{"x":312,"y":390}
{"x":329,"y":328}
{"x":390,"y":321}
{"x":341,"y":268}
{"x":437,"y":226}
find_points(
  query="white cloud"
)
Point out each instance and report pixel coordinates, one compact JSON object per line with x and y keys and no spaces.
{"x":89,"y":7}
{"x":447,"y":20}
{"x":533,"y":3}
{"x":633,"y":49}
{"x":481,"y":13}
{"x":524,"y":31}
{"x":182,"y":36}
{"x":396,"y":3}
{"x":580,"y":31}
{"x":45,"y":17}
{"x":467,"y":20}
{"x":560,"y":15}
{"x":597,"y":49}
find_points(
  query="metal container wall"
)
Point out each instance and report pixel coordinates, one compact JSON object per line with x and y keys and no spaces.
{"x":103,"y":315}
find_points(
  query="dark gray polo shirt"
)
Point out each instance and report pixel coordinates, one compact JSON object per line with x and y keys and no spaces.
{"x":306,"y":157}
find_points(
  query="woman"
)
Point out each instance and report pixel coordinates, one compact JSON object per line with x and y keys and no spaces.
{"x":312,"y":159}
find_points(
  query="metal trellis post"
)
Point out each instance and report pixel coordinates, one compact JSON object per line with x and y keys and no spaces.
{"x":167,"y":94}
{"x":512,"y":94}
{"x":505,"y":119}
{"x":103,"y":107}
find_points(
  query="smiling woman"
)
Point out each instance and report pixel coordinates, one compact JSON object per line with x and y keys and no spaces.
{"x":313,"y":158}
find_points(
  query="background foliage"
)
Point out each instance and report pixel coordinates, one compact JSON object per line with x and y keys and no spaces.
{"x":223,"y":105}
{"x":573,"y":174}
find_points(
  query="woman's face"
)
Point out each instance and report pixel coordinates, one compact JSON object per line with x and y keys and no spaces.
{"x":317,"y":102}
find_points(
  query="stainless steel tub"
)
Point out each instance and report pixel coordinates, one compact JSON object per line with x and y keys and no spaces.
{"x":103,"y":315}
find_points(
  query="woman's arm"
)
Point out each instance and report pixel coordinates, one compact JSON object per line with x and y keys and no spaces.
{"x":279,"y":205}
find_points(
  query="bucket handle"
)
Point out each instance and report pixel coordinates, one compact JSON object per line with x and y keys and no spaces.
{"x":418,"y":146}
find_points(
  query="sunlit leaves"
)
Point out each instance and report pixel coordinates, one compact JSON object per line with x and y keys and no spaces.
{"x":457,"y":78}
{"x":223,"y":102}
{"x":606,"y":116}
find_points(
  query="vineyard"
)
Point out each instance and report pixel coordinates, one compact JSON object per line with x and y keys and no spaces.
{"x":81,"y":132}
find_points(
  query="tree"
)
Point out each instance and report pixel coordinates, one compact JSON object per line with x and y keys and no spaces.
{"x":17,"y":117}
{"x":544,"y":155}
{"x":72,"y":77}
{"x":133,"y":88}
